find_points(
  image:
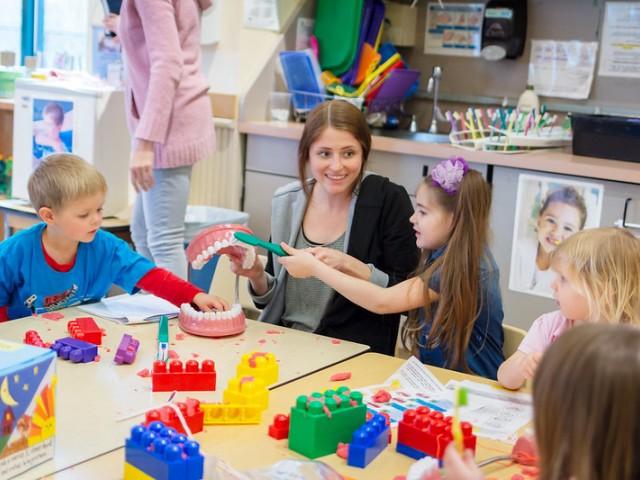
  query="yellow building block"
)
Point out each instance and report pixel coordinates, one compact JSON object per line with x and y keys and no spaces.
{"x":259,"y":365}
{"x":231,"y":414}
{"x":134,"y":473}
{"x":246,"y":391}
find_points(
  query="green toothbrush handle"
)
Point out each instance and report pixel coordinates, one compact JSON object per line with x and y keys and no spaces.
{"x":258,"y":242}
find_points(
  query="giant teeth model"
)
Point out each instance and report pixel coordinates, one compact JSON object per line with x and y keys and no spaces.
{"x":217,"y":240}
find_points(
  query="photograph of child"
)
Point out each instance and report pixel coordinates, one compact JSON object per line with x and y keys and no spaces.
{"x":548,"y":211}
{"x":52,"y":128}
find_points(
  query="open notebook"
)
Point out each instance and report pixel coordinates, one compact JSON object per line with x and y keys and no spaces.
{"x":131,"y":309}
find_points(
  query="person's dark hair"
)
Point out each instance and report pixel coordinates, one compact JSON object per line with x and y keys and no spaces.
{"x":337,"y":114}
{"x":569,"y":196}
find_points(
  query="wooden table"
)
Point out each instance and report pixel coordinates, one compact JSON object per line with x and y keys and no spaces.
{"x":91,"y":398}
{"x":249,"y":447}
{"x":18,"y":215}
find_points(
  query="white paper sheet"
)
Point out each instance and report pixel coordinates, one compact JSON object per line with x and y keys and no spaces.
{"x":131,"y":309}
{"x":562,"y":69}
{"x":411,"y":386}
{"x":620,"y":46}
{"x":261,"y":14}
{"x":493,"y":412}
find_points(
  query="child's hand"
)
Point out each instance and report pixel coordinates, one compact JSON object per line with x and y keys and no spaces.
{"x":458,"y":467}
{"x":530,"y":364}
{"x":329,"y":256}
{"x":255,"y":271}
{"x":299,"y":263}
{"x":209,"y":303}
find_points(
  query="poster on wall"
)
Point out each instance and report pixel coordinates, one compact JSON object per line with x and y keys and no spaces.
{"x":548,"y":211}
{"x":52,"y":128}
{"x":562,"y":69}
{"x":454,"y":29}
{"x":620,"y":52}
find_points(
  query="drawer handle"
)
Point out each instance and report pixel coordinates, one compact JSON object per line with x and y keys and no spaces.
{"x":624,"y":215}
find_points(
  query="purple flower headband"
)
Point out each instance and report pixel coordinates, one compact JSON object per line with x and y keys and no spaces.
{"x":448,"y":174}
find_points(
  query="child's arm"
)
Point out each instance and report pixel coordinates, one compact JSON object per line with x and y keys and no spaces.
{"x":518,"y":368}
{"x":172,"y":288}
{"x":407,"y":295}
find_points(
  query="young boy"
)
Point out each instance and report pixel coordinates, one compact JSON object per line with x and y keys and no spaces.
{"x":68,"y":260}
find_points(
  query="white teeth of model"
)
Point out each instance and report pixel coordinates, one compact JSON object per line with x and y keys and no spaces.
{"x":200,"y":315}
{"x":211,"y":250}
{"x":225,"y":243}
{"x":217,"y":245}
{"x":199,"y":258}
{"x":205,"y":254}
{"x":194,"y":265}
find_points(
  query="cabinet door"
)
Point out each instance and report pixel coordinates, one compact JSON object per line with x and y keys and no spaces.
{"x":272,"y":155}
{"x":258,"y":191}
{"x":522,"y":309}
{"x":407,"y":170}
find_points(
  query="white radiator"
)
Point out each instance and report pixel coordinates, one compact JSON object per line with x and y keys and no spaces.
{"x":218,"y":180}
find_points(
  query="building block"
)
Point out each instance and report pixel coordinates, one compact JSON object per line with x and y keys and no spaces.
{"x":127,"y":350}
{"x":86,"y":329}
{"x":162,"y":454}
{"x":31,"y":337}
{"x":77,"y":351}
{"x":259,"y":365}
{"x":318,"y":422}
{"x":368,"y":441}
{"x":190,"y":409}
{"x":192,"y":376}
{"x":279,"y":429}
{"x":424,"y":432}
{"x":247,"y":391}
{"x":231,"y":414}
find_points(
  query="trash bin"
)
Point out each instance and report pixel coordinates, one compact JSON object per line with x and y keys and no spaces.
{"x":198,"y":218}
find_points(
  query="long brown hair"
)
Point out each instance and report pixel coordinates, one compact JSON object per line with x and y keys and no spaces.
{"x":338,"y":114}
{"x":585,"y":398}
{"x":459,"y":268}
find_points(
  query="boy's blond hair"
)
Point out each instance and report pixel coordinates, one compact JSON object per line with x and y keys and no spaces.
{"x":604,"y":264}
{"x":61,"y":178}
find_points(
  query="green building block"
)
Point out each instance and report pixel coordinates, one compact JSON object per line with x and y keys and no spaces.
{"x":314,"y":431}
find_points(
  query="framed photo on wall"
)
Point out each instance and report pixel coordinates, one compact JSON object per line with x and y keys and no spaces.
{"x":548,"y":211}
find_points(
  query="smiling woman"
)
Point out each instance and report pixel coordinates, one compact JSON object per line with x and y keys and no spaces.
{"x":352,"y":220}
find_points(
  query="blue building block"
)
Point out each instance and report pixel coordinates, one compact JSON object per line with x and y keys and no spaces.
{"x":164,"y":454}
{"x":77,"y":351}
{"x":409,"y":451}
{"x":368,"y":441}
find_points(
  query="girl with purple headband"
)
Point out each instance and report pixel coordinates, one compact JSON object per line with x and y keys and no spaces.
{"x":455,"y":318}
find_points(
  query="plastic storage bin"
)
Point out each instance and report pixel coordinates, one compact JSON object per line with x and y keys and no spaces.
{"x":606,"y":136}
{"x":199,"y":217}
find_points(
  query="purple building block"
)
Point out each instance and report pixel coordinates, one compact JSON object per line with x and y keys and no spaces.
{"x":77,"y":351}
{"x":127,"y":350}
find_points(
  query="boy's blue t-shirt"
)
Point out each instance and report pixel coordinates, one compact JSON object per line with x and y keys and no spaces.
{"x":484,"y":352}
{"x":29,"y":285}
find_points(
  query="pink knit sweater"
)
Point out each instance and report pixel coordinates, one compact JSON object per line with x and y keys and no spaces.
{"x":166,"y":97}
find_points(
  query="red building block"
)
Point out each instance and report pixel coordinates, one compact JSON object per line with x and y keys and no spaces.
{"x":191,"y":377}
{"x":279,"y":429}
{"x":190,"y":409}
{"x":429,"y":432}
{"x":31,"y":337}
{"x":86,"y":329}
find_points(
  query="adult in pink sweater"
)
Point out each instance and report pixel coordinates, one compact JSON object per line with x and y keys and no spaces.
{"x":169,"y":117}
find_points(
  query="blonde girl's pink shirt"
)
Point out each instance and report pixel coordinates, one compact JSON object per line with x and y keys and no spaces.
{"x":544,"y":331}
{"x":167,"y":95}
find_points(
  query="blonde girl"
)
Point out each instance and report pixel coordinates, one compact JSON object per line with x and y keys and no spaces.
{"x":585,"y":402}
{"x":597,"y":280}
{"x":456,"y":318}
